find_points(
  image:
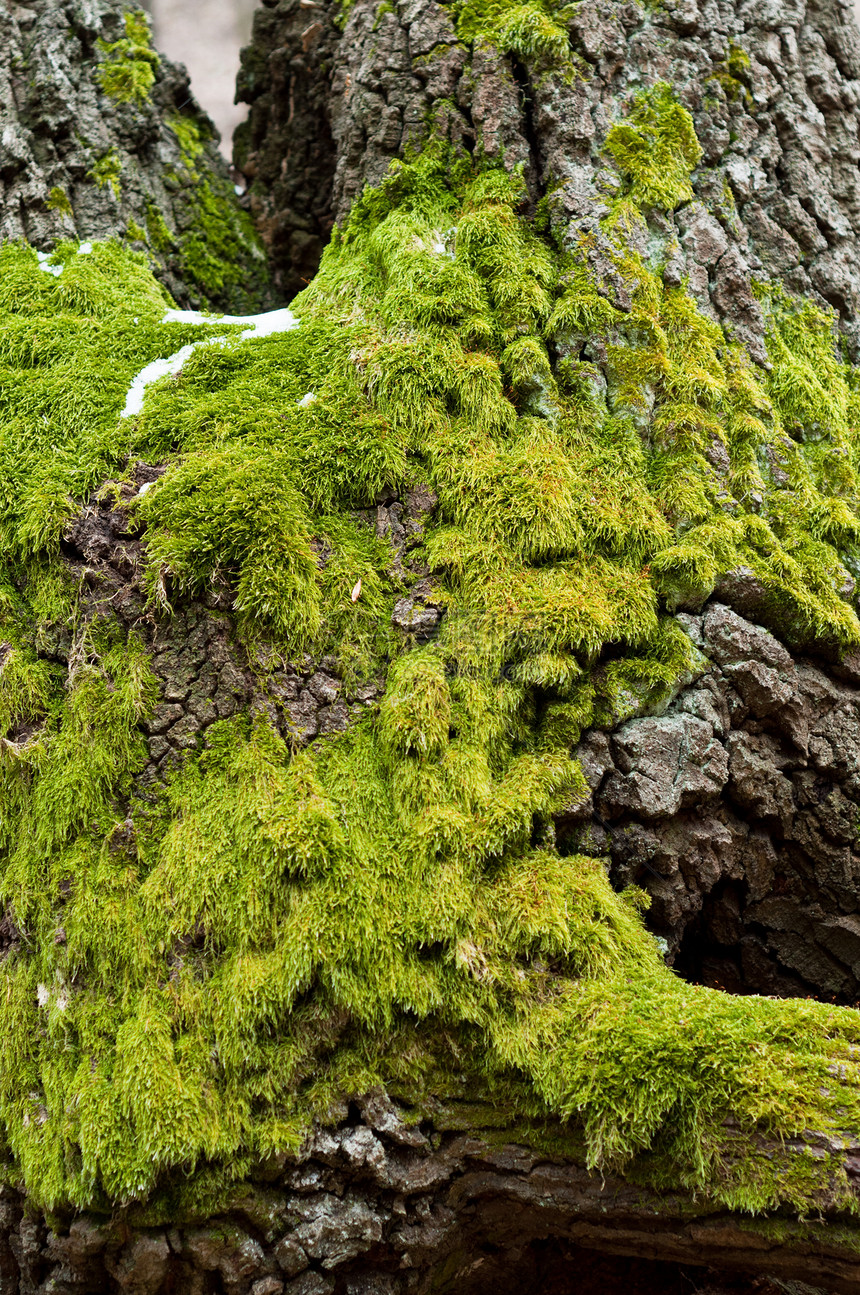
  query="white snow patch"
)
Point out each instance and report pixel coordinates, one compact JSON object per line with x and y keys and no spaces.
{"x":441,"y":246}
{"x":44,"y":258}
{"x":160,"y":369}
{"x":273,"y":321}
{"x":43,"y":994}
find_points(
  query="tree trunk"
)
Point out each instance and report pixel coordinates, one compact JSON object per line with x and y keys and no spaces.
{"x":102,"y":138}
{"x":375,"y":1206}
{"x":771,"y":88}
{"x":725,"y":785}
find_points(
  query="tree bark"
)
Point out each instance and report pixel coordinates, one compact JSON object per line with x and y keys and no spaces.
{"x":374,"y":1207}
{"x":84,"y":157}
{"x":379,"y":1208}
{"x":772,"y":89}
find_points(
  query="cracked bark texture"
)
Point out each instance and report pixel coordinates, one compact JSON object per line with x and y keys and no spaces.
{"x":57,"y":125}
{"x":777,"y":193}
{"x":738,"y":810}
{"x":752,"y":757}
{"x":203,"y":671}
{"x":381,"y":1207}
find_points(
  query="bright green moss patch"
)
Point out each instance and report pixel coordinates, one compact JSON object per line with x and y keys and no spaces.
{"x":284,"y":927}
{"x":656,"y":149}
{"x":135,"y":234}
{"x":128,"y":70}
{"x":69,"y":348}
{"x":58,"y":200}
{"x":535,"y":31}
{"x":214,"y":255}
{"x":187,"y":130}
{"x":158,"y":235}
{"x":220,"y":257}
{"x":206,"y":516}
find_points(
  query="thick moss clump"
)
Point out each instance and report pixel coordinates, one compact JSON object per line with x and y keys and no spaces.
{"x":285,"y":927}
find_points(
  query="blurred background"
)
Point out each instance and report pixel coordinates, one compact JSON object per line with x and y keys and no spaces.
{"x":206,"y":36}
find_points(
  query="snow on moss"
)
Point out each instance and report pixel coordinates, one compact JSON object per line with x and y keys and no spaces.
{"x":264,"y":325}
{"x":389,"y":906}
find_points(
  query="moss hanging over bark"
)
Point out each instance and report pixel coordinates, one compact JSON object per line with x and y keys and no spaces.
{"x":199,"y":976}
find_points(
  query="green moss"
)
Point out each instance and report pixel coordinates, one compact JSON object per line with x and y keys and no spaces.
{"x":384,"y":8}
{"x":189,"y":133}
{"x":192,"y":534}
{"x":656,"y":149}
{"x":287,"y":926}
{"x":69,"y":348}
{"x":535,"y":31}
{"x":734,"y":75}
{"x":128,"y":70}
{"x":214,"y":255}
{"x":135,"y":234}
{"x":58,"y":200}
{"x":220,"y":256}
{"x":107,"y":171}
{"x":158,"y":235}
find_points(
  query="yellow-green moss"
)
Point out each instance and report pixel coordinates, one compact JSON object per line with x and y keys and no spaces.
{"x":214,"y":255}
{"x":734,"y":74}
{"x":221,"y":254}
{"x":188,"y":131}
{"x":106,"y":172}
{"x":58,"y":200}
{"x":158,"y":235}
{"x":128,"y":70}
{"x":286,"y":927}
{"x":656,"y":149}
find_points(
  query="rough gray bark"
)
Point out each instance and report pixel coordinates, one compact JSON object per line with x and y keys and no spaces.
{"x":378,"y":1208}
{"x":780,"y":138}
{"x":77,"y":162}
{"x":738,"y":811}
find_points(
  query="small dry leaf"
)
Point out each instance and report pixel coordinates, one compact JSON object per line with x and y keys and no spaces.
{"x":356,"y":592}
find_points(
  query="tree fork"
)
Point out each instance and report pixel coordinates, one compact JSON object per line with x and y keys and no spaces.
{"x":375,"y":1205}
